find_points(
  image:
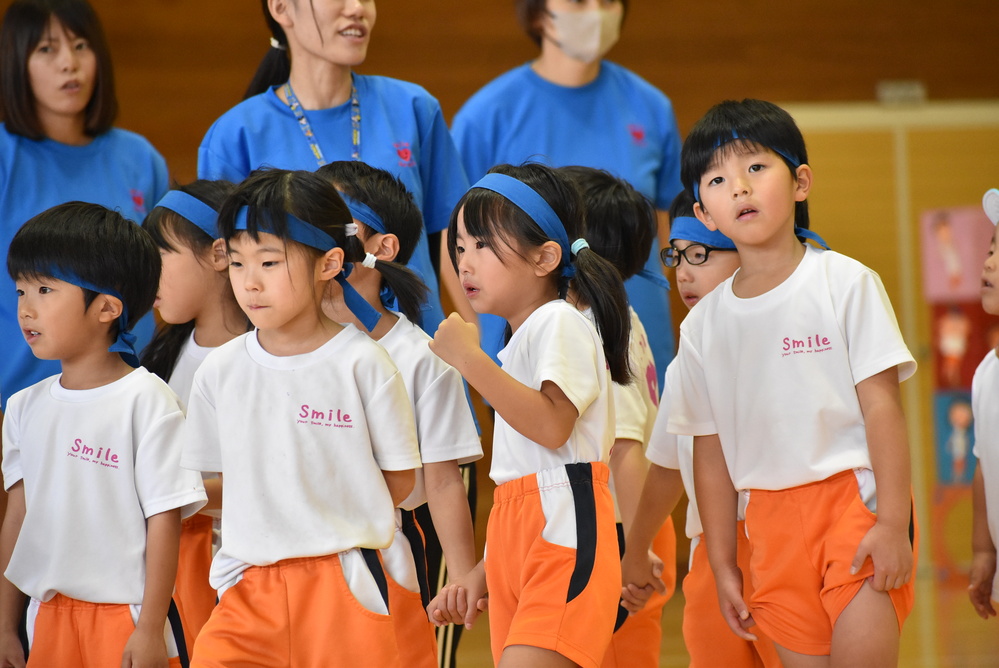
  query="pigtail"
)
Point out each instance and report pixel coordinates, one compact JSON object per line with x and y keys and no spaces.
{"x":598,"y":284}
{"x":407,"y":286}
{"x":275,"y":68}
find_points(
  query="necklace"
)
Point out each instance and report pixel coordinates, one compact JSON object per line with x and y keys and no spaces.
{"x":303,"y":123}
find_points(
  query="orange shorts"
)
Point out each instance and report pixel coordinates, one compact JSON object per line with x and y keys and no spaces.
{"x":637,"y":641}
{"x":194,"y":596}
{"x":406,"y":571}
{"x":803,"y":541}
{"x":710,"y":642}
{"x":302,"y":613}
{"x":66,"y":632}
{"x":552,"y":565}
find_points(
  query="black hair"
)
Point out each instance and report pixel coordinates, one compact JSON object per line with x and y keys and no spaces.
{"x":489,"y":216}
{"x":757,"y":124}
{"x":682,"y":205}
{"x":529,"y":13}
{"x":168,"y":229}
{"x":275,"y":68}
{"x":389,"y":198}
{"x":95,"y":244}
{"x":24,"y":24}
{"x":621,"y":222}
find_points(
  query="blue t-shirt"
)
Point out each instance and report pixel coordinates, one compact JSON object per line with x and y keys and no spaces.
{"x":618,"y":122}
{"x":402,"y":131}
{"x":118,"y":169}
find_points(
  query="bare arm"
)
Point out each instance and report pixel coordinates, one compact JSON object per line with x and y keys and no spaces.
{"x":887,"y":543}
{"x":147,"y":646}
{"x":448,"y":502}
{"x":545,"y":416}
{"x":400,"y":484}
{"x":213,"y":488}
{"x":983,"y":559}
{"x":11,"y":598}
{"x":628,"y":465}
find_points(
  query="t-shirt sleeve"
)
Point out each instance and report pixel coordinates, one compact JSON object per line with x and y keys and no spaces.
{"x":214,"y":159}
{"x":566,"y":355}
{"x":160,"y":481}
{"x":202,"y":449}
{"x":391,"y":427}
{"x":630,"y":410}
{"x":12,"y":471}
{"x":441,"y":170}
{"x":872,"y":334}
{"x":690,"y":406}
{"x":445,"y":425}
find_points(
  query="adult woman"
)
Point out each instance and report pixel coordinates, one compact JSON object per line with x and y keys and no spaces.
{"x":313,"y":110}
{"x":571,"y":107}
{"x":57,"y":144}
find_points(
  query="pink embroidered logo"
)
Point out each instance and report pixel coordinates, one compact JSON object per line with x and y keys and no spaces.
{"x":653,"y":382}
{"x":335,"y":418}
{"x":815,"y":343}
{"x":637,"y":133}
{"x":138,"y":201}
{"x":102,"y":456}
{"x":405,"y":154}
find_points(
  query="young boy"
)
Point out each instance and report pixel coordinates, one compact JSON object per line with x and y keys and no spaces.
{"x":702,"y":259}
{"x":984,"y":586}
{"x":90,"y":456}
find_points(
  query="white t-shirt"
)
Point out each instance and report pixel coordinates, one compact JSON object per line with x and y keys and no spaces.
{"x":301,"y":442}
{"x":444,"y":422}
{"x":556,"y":343}
{"x":775,"y":376}
{"x":182,"y":377}
{"x":95,"y":464}
{"x":984,"y":393}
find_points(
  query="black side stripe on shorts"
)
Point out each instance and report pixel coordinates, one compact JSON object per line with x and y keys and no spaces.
{"x":581,"y":482}
{"x":173,"y":617}
{"x":622,"y":612}
{"x":912,"y":525}
{"x":411,"y":530}
{"x":375,"y":566}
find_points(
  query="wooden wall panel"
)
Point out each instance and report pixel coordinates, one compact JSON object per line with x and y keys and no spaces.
{"x":180,"y":63}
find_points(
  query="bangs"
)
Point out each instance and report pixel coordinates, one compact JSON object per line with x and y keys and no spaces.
{"x":482,"y":211}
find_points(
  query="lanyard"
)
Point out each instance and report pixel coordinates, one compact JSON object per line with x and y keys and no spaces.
{"x":303,"y":123}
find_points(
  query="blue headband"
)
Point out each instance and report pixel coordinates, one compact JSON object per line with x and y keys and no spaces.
{"x":791,"y":160}
{"x":192,"y":209}
{"x":689,"y":228}
{"x":364,"y":213}
{"x":124,"y":345}
{"x":311,"y":236}
{"x":537,"y":209}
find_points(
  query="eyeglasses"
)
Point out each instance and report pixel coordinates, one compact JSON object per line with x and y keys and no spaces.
{"x":694,"y":254}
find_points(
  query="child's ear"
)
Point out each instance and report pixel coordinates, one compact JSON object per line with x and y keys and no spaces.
{"x":109,"y":308}
{"x":330,"y":264}
{"x":702,"y":215}
{"x":220,"y":255}
{"x":803,"y":183}
{"x":386,"y":247}
{"x":548,"y":257}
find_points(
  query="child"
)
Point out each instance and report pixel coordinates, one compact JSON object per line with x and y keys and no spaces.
{"x":309,"y":424}
{"x":984,"y":586}
{"x":702,"y":259}
{"x":91,"y":456}
{"x":389,"y":225}
{"x":552,"y":565}
{"x":620,"y":226}
{"x":788,"y":378}
{"x":199,"y":313}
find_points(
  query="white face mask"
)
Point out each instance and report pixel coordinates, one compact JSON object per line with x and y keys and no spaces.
{"x":586,"y":36}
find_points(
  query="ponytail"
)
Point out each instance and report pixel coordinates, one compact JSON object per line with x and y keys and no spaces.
{"x":275,"y":68}
{"x":402,"y":288}
{"x":598,"y":284}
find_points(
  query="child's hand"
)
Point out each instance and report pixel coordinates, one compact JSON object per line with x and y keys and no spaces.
{"x":145,"y":649}
{"x":11,"y":651}
{"x":456,"y":341}
{"x":983,"y":571}
{"x":457,"y":604}
{"x":733,"y":607}
{"x":641,"y":575}
{"x":890,"y":550}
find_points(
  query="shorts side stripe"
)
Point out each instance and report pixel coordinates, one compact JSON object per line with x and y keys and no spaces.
{"x":375,"y":566}
{"x":581,"y":481}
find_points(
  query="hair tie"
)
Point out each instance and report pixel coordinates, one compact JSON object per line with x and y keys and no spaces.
{"x":364,"y":213}
{"x":369,"y":261}
{"x":193,"y":210}
{"x":350,"y":229}
{"x":278,"y":45}
{"x":578,"y":245}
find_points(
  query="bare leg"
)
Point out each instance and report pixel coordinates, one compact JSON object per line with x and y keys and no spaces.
{"x":795,"y":660}
{"x":866,"y":634}
{"x":525,"y":656}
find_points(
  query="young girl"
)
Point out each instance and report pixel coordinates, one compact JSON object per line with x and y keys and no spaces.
{"x":703,"y":259}
{"x":200,"y":313}
{"x":91,"y":455}
{"x":620,"y":227}
{"x":309,"y":424}
{"x":552,"y":567}
{"x":307,"y":107}
{"x":788,"y":378}
{"x":58,"y":144}
{"x":389,"y":225}
{"x":576,"y":107}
